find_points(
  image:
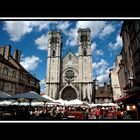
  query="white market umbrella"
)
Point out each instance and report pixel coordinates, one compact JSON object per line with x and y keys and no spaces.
{"x":5,"y":103}
{"x":30,"y":96}
{"x":28,"y":104}
{"x":49,"y":98}
{"x":86,"y":104}
{"x":93,"y":105}
{"x":74,"y":102}
{"x":62,"y":102}
{"x":109,"y":104}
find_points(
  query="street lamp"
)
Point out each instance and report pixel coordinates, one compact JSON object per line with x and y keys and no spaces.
{"x":131,"y":78}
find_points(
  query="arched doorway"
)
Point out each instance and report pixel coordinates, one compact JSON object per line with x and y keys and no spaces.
{"x":69,"y":94}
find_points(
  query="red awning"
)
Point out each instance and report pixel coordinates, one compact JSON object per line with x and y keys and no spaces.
{"x":125,"y":97}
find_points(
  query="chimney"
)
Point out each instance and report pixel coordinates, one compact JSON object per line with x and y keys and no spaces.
{"x":5,"y":51}
{"x":17,"y":54}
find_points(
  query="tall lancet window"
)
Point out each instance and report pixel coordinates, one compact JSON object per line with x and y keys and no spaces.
{"x":84,"y":52}
{"x":83,"y":38}
{"x":54,"y":40}
{"x":70,"y":57}
{"x":53,"y":53}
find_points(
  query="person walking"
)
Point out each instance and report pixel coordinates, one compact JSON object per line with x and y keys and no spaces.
{"x":98,"y":112}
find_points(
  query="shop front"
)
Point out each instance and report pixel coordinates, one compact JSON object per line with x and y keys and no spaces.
{"x":130,"y":104}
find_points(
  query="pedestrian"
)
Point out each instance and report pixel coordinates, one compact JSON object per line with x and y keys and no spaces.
{"x":97,"y":112}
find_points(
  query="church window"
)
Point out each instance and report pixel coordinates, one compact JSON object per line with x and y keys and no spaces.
{"x":83,"y":38}
{"x":69,"y":57}
{"x":54,"y":40}
{"x":53,"y":53}
{"x":69,"y":74}
{"x":54,"y":45}
{"x":84,"y":52}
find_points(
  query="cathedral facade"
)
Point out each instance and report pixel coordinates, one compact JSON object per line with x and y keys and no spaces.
{"x":69,"y":77}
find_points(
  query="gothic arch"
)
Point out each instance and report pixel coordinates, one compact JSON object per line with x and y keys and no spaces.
{"x":73,"y":89}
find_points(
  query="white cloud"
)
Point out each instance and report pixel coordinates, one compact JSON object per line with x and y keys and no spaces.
{"x":99,"y":52}
{"x":72,"y":37}
{"x":98,"y":65}
{"x":103,"y":77}
{"x":17,"y":29}
{"x":93,"y":46}
{"x":108,"y":29}
{"x":42,"y":42}
{"x":42,"y":85}
{"x":117,"y":44}
{"x":111,"y":54}
{"x":95,"y":26}
{"x":98,"y":29}
{"x":63,"y":25}
{"x":76,"y":54}
{"x":42,"y":24}
{"x":42,"y":82}
{"x":30,"y":63}
{"x":101,"y":70}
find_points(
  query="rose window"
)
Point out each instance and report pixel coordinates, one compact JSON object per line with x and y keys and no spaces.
{"x":69,"y":74}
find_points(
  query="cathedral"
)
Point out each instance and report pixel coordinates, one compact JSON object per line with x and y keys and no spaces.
{"x":70,"y":77}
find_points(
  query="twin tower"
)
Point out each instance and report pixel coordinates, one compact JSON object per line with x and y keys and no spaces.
{"x":70,"y":77}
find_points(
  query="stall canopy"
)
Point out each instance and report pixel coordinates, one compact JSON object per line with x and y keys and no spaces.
{"x":109,"y":104}
{"x":74,"y":102}
{"x":61,"y":101}
{"x":5,"y":103}
{"x":31,"y":95}
{"x":3,"y":95}
{"x":49,"y":98}
{"x":125,"y":97}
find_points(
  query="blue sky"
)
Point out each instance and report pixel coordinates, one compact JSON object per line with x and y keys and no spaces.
{"x":31,"y":37}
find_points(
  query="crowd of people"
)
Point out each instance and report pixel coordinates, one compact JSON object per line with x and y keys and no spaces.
{"x":61,"y":112}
